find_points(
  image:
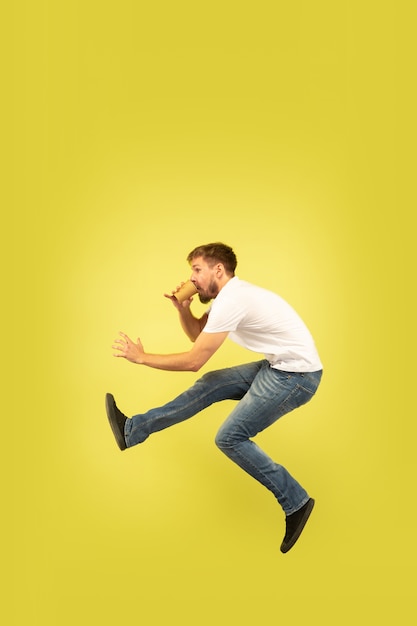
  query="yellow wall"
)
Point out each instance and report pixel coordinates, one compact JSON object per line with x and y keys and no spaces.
{"x":137,"y":131}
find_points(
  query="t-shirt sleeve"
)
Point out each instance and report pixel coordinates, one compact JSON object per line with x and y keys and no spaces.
{"x":224,"y":316}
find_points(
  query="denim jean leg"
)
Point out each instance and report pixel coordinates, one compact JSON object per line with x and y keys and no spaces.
{"x":226,"y":384}
{"x":272,"y":395}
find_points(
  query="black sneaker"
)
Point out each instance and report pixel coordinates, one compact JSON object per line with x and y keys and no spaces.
{"x":117,"y":421}
{"x":295,"y":524}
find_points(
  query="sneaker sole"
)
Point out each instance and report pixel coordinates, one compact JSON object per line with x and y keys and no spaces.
{"x":111,"y":415}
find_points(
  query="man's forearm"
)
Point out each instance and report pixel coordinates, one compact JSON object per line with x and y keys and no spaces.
{"x":181,"y":362}
{"x":190,"y":324}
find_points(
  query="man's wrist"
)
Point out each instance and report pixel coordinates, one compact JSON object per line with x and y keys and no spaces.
{"x":185,"y":311}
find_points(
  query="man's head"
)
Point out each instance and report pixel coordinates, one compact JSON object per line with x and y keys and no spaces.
{"x":213,"y":265}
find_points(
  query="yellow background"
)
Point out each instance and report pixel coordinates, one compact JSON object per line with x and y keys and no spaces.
{"x":133,"y":132}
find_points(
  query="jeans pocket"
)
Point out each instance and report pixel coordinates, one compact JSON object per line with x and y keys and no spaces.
{"x":309,"y":381}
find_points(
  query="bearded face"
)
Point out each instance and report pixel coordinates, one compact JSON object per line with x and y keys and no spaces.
{"x":209,"y":293}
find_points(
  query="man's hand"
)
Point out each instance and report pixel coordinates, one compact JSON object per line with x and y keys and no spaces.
{"x":127,"y":349}
{"x":192,"y":326}
{"x":178,"y":305}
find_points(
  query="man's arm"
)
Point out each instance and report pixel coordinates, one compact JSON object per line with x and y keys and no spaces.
{"x":191,"y":325}
{"x":203,"y":348}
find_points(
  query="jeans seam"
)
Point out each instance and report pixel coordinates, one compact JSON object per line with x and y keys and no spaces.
{"x":266,"y":478}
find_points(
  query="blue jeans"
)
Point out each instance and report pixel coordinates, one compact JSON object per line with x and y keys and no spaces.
{"x":265,"y":394}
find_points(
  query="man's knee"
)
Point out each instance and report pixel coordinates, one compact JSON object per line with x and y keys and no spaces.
{"x":227,"y":437}
{"x":221,"y":440}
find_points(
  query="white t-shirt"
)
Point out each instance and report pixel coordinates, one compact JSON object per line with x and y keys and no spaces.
{"x":263,"y":322}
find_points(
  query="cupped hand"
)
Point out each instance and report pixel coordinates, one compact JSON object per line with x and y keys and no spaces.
{"x":178,"y":305}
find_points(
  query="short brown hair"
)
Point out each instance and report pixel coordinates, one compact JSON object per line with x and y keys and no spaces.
{"x":215,"y":253}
